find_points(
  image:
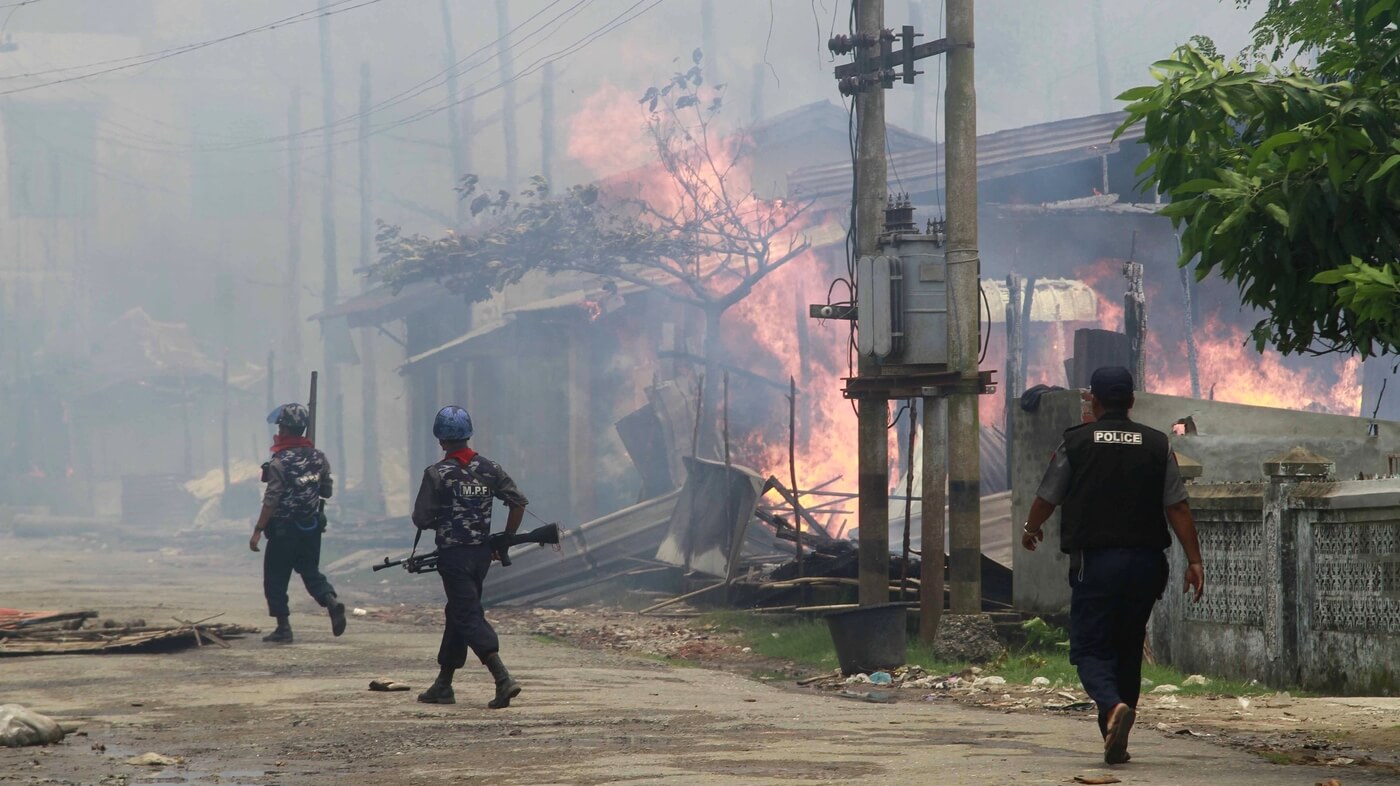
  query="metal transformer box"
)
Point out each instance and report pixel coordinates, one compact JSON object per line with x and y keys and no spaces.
{"x":902,"y":305}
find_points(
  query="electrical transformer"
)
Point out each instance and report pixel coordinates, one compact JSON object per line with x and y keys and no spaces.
{"x":902,"y":304}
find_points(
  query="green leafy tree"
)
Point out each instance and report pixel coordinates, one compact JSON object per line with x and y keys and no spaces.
{"x":689,"y":226}
{"x":1281,"y":169}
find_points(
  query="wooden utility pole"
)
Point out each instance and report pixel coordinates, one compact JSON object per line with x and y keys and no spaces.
{"x":964,"y":430}
{"x":760,"y":75}
{"x":707,"y":41}
{"x":1135,"y":322}
{"x":1101,"y":60}
{"x":872,"y":413}
{"x":369,"y":367}
{"x":459,"y":145}
{"x":507,"y":95}
{"x":330,"y":288}
{"x":547,"y":124}
{"x":291,"y":282}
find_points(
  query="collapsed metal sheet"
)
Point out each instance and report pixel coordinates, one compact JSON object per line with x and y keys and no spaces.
{"x":711,"y":516}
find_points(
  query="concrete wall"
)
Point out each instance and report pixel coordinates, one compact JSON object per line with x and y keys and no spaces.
{"x":1232,"y":442}
{"x":1301,"y":579}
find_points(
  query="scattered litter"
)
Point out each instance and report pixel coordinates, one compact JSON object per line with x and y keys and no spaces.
{"x":1146,"y":683}
{"x":1191,"y":733}
{"x":387,"y":685}
{"x":1244,"y":703}
{"x":1166,"y":689}
{"x":880,"y":678}
{"x":154,"y":760}
{"x":1067,"y":696}
{"x":1340,"y":761}
{"x":1040,"y":682}
{"x":982,"y":682}
{"x":1076,"y":706}
{"x":20,"y":726}
{"x":747,"y":649}
{"x":1195,"y":679}
{"x":359,"y":612}
{"x":874,"y":697}
{"x":1168,"y":701}
{"x":1098,"y":780}
{"x":859,"y":679}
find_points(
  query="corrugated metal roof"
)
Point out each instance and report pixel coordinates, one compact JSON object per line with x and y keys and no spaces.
{"x":998,"y":155}
{"x":1056,"y":300}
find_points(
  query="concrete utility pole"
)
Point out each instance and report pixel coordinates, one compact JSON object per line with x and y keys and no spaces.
{"x":508,"y":95}
{"x":964,"y":273}
{"x":916,"y":18}
{"x":872,"y":413}
{"x":291,"y":282}
{"x":369,"y":367}
{"x":330,"y":289}
{"x":460,"y":147}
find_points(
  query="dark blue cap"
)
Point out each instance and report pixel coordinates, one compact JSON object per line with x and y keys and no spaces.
{"x":1111,"y":382}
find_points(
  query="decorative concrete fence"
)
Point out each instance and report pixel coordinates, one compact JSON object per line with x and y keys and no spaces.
{"x":1302,"y":582}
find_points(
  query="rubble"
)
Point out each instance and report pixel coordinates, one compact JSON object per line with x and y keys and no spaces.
{"x":55,"y":633}
{"x":967,"y":638}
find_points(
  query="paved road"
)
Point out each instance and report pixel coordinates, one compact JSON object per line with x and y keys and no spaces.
{"x":259,"y":714}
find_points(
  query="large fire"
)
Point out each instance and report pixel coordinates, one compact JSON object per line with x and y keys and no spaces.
{"x":769,"y":335}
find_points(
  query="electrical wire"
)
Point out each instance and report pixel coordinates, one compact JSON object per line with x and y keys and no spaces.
{"x":135,"y":61}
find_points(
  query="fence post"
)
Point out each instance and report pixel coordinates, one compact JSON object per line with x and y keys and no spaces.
{"x":1281,"y":575}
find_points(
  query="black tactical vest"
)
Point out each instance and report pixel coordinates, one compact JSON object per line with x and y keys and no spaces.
{"x":1117,"y":475}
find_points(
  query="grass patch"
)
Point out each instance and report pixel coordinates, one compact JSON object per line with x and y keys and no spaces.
{"x":1274,"y":757}
{"x":809,"y":643}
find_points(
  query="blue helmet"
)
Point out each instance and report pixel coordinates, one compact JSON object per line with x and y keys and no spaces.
{"x":294,"y":416}
{"x":452,"y":424}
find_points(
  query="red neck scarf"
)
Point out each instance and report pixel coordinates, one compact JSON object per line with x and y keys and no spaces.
{"x":463,"y":456}
{"x":282,"y":442}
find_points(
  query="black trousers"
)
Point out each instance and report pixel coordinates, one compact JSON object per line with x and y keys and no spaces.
{"x":289,"y":549}
{"x":1113,"y":592}
{"x":463,"y":569}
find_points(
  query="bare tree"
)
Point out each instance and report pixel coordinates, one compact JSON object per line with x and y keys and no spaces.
{"x":688,"y":226}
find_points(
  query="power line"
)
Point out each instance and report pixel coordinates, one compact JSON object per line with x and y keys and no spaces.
{"x":437,"y":80}
{"x":134,"y":61}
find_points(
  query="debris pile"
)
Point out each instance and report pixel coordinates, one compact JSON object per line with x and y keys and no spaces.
{"x":63,"y":633}
{"x":631,"y":633}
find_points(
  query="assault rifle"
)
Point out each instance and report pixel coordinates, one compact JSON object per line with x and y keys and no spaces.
{"x":500,"y":543}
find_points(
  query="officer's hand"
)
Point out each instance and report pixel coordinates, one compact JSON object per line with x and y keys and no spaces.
{"x":253,"y":541}
{"x":1195,"y":579}
{"x":1029,"y":539}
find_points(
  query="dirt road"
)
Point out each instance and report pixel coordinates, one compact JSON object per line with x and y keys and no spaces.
{"x":261,"y":714}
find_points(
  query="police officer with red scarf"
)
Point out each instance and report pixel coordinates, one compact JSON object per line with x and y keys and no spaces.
{"x":455,"y":501}
{"x":1120,"y":491}
{"x":298,"y":478}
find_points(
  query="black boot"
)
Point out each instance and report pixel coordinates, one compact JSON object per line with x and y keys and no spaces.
{"x":506,"y":686}
{"x":440,"y":692}
{"x":283,"y":634}
{"x":336,"y":609}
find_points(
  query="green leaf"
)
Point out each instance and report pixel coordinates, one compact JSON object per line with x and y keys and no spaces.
{"x":1278,"y":214}
{"x":1329,"y":277}
{"x":1385,"y":168}
{"x":1137,"y":93}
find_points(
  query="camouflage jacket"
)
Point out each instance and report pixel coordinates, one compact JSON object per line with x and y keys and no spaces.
{"x":456,"y":504}
{"x":297,"y":480}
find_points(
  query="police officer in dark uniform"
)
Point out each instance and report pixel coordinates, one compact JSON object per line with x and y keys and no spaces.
{"x":298,"y":478}
{"x":455,"y":501}
{"x":1119,"y":486}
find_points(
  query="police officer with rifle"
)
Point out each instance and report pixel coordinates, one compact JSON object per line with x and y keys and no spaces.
{"x":1122,"y":496}
{"x":455,"y":502}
